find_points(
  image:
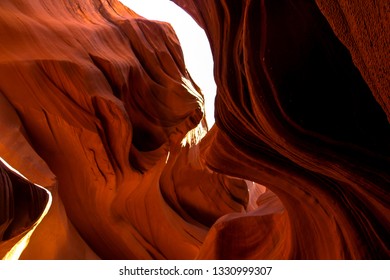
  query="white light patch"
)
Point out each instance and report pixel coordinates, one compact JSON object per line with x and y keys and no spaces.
{"x":169,"y":153}
{"x":193,"y":40}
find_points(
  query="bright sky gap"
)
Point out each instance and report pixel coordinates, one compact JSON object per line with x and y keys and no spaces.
{"x":193,"y":40}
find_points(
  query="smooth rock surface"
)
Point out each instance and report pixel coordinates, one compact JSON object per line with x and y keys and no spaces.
{"x":95,"y":102}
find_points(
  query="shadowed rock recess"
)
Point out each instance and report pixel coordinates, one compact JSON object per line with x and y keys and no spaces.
{"x":106,"y":154}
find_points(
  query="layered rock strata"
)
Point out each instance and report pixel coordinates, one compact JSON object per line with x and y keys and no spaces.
{"x":106,"y":154}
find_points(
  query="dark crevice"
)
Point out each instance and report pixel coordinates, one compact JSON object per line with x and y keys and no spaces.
{"x":23,"y":205}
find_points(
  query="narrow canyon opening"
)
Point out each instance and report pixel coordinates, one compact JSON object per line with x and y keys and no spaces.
{"x":199,"y":63}
{"x":96,"y":101}
{"x":193,"y":41}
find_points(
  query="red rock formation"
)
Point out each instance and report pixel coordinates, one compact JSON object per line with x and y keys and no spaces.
{"x":95,"y":102}
{"x":293,"y":113}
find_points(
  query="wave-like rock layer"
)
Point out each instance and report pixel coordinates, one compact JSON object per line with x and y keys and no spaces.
{"x":105,"y":153}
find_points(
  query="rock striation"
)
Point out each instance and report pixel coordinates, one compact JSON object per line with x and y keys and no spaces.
{"x":105,"y":153}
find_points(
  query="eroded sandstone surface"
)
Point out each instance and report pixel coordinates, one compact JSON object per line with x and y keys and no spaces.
{"x":105,"y":129}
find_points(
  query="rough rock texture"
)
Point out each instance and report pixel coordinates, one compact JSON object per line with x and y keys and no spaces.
{"x":95,"y":102}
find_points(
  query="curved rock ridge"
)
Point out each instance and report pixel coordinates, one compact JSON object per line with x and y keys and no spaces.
{"x":106,"y":154}
{"x":96,"y":103}
{"x":302,"y":108}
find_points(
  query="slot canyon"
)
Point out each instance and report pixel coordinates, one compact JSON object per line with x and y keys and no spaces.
{"x":106,"y":154}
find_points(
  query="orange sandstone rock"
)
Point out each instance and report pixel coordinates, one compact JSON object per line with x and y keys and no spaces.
{"x":95,"y":102}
